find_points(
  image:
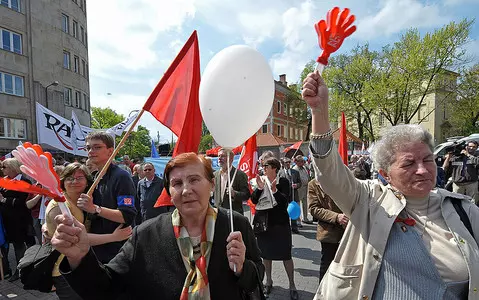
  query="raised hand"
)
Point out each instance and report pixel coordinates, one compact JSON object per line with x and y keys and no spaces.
{"x":333,"y":31}
{"x":315,"y":92}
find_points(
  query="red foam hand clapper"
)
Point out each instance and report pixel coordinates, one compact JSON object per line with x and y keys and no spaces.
{"x":333,"y":31}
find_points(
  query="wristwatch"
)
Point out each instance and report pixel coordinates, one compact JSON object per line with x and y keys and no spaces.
{"x":97,"y":210}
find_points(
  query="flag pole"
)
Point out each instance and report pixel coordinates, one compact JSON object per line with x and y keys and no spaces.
{"x":112,"y":156}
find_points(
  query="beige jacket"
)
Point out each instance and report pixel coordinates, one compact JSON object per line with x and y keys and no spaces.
{"x":372,"y":209}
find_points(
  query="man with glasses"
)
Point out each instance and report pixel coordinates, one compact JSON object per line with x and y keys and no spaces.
{"x":239,"y":184}
{"x":149,"y":189}
{"x":114,"y":198}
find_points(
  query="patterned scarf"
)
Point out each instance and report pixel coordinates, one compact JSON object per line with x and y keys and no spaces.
{"x":196,"y":283}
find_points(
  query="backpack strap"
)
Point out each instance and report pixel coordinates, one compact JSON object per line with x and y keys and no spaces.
{"x":457,"y":203}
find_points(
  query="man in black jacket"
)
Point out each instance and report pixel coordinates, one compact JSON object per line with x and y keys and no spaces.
{"x":149,"y":189}
{"x":114,"y":198}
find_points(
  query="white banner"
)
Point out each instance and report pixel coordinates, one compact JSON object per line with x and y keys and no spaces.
{"x":120,"y":127}
{"x":56,"y":131}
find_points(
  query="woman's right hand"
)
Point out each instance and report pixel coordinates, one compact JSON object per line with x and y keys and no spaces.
{"x":70,"y":241}
{"x":121,"y":234}
{"x":259,"y":182}
{"x":315,"y":91}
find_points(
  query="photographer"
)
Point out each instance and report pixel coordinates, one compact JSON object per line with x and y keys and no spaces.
{"x":462,"y":164}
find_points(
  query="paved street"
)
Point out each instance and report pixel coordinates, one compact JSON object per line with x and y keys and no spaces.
{"x":306,"y":256}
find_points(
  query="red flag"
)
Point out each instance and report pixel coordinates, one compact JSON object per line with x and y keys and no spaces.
{"x":343,"y":142}
{"x":248,"y":164}
{"x":177,"y":96}
{"x":295,"y":146}
{"x":214,"y":151}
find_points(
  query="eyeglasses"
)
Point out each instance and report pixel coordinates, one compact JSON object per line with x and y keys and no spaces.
{"x":72,"y":179}
{"x":94,"y":148}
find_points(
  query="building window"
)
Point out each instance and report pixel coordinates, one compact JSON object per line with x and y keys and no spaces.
{"x":11,"y":84}
{"x":301,"y":134}
{"x":11,"y":41}
{"x":12,"y":128}
{"x":76,"y":64}
{"x":279,"y":129}
{"x":65,"y":23}
{"x":66,"y":60}
{"x":278,"y":107}
{"x":83,"y":67}
{"x":67,"y":96}
{"x":285,"y":108}
{"x":77,"y":99}
{"x":285,"y":133}
{"x":82,"y":34}
{"x":291,"y":132}
{"x":13,"y":4}
{"x":75,"y":29}
{"x":296,"y":136}
{"x":265,"y":128}
{"x":84,"y":103}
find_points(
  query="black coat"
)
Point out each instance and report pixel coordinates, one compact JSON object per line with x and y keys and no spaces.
{"x":150,"y":266}
{"x":17,"y":218}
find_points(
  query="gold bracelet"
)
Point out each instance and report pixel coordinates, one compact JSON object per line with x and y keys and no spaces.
{"x":314,"y":136}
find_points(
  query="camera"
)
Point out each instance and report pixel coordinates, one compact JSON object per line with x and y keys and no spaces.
{"x":456,"y":149}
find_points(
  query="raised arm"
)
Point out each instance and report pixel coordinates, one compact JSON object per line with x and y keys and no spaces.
{"x":336,"y":179}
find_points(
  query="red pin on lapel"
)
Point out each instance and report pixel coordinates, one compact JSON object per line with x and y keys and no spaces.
{"x":332,"y":32}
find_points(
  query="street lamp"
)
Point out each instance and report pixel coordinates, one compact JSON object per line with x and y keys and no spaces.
{"x":55,"y":83}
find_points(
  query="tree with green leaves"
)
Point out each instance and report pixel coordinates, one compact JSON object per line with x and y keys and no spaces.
{"x":348,"y":77}
{"x":308,"y":68}
{"x":104,"y":118}
{"x":465,"y":109}
{"x":408,"y":70}
{"x":206,"y":143}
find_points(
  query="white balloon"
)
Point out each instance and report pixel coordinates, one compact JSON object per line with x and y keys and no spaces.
{"x":236,"y":94}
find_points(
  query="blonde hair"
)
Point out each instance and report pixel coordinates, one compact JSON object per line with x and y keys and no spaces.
{"x":13,"y":164}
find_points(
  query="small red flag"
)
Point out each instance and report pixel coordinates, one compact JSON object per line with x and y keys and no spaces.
{"x":249,"y":164}
{"x":177,"y":96}
{"x":343,"y":141}
{"x":294,"y":146}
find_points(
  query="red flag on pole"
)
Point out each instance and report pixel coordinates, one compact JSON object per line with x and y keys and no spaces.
{"x":343,"y":141}
{"x":177,"y":96}
{"x":295,"y":146}
{"x":248,"y":164}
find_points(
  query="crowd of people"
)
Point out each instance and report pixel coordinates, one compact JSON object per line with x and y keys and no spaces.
{"x":387,"y":229}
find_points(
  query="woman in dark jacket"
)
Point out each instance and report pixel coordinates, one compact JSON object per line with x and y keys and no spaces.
{"x":276,"y":242}
{"x":187,"y":254}
{"x":15,"y":214}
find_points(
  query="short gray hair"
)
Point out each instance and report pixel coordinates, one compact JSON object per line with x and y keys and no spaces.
{"x":384,"y":151}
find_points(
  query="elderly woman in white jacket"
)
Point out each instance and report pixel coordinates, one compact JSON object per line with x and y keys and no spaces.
{"x":406,"y":239}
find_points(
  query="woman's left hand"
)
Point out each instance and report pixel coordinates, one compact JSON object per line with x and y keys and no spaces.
{"x":236,"y":250}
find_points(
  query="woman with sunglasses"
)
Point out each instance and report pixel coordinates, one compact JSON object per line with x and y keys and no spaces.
{"x":274,"y":237}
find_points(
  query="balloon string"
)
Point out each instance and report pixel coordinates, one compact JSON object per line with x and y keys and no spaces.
{"x":229,"y":194}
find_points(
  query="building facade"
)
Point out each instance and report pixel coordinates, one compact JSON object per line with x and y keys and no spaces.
{"x":282,"y":121}
{"x":44,"y":59}
{"x":433,"y":112}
